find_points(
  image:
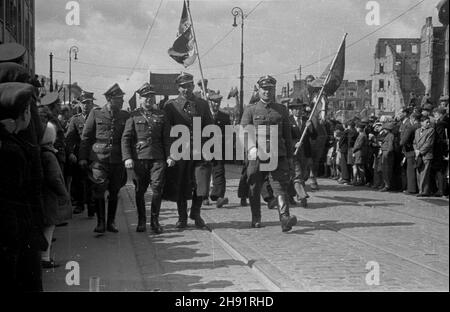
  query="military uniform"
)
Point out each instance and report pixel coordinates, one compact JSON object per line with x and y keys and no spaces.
{"x":188,"y":179}
{"x":146,"y":141}
{"x":269,"y":114}
{"x":101,"y":144}
{"x":81,"y":185}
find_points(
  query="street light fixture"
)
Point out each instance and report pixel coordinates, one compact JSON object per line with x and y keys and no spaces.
{"x":73,"y":49}
{"x":237,"y":11}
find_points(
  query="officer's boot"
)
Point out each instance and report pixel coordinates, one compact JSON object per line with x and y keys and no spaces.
{"x":100,"y":203}
{"x":182,"y":214}
{"x":301,"y":194}
{"x":112,"y":208}
{"x":154,"y":218}
{"x":255,"y":206}
{"x":195,"y":211}
{"x":287,"y":221}
{"x":142,"y":220}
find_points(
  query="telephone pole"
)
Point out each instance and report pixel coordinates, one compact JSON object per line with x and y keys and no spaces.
{"x":51,"y":72}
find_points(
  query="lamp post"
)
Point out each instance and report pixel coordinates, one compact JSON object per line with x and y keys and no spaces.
{"x":73,"y":49}
{"x":237,"y":11}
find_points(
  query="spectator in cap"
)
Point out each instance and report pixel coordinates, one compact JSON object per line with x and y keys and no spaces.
{"x":408,"y":128}
{"x":423,"y":147}
{"x":440,"y":153}
{"x":427,"y":110}
{"x":307,"y":95}
{"x":19,"y":228}
{"x":387,"y":156}
{"x":360,"y":156}
{"x":188,"y":179}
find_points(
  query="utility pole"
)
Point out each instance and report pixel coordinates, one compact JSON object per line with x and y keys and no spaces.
{"x":51,"y":72}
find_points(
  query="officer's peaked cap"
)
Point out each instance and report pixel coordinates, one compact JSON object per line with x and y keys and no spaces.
{"x":86,"y":96}
{"x":114,"y":91}
{"x":267,"y":81}
{"x":184,"y":78}
{"x":146,"y":90}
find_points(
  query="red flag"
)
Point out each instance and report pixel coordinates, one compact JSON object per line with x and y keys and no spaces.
{"x":335,"y":70}
{"x":183,"y":51}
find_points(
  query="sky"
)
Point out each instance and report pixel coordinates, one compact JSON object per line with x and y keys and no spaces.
{"x":279,"y":36}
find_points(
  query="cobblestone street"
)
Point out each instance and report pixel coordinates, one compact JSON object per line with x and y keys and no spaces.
{"x":343,"y":229}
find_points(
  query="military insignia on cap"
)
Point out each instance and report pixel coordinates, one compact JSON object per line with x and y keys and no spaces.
{"x":49,"y":99}
{"x":444,"y":98}
{"x":11,"y":52}
{"x":267,"y":81}
{"x":215,"y":96}
{"x":184,"y":78}
{"x":114,"y":91}
{"x":86,"y":96}
{"x":146,"y":90}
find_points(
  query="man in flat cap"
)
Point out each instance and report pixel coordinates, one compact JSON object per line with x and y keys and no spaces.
{"x":423,"y":147}
{"x":303,"y":159}
{"x":101,"y":143}
{"x":81,"y":185}
{"x":20,"y":267}
{"x":188,"y":178}
{"x":387,"y":156}
{"x":268,"y":113}
{"x":409,"y":125}
{"x":221,"y":119}
{"x":440,"y":152}
{"x":145,"y":149}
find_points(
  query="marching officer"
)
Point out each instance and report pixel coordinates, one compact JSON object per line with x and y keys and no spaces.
{"x":145,"y":149}
{"x":81,"y":184}
{"x":268,"y":113}
{"x":187,"y":178}
{"x":221,"y":119}
{"x":102,"y":136}
{"x":303,"y":160}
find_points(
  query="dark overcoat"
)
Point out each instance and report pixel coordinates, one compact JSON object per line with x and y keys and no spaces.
{"x":190,"y":175}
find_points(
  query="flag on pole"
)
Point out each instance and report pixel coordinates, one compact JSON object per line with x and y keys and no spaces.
{"x":183,"y":51}
{"x":133,"y":102}
{"x":334,"y":71}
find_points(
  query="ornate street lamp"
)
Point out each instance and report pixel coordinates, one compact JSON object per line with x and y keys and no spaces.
{"x":237,"y":11}
{"x":73,"y":49}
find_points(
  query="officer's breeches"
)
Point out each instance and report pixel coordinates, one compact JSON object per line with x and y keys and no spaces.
{"x":108,"y":177}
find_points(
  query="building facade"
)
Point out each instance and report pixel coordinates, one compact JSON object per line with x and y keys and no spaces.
{"x":396,"y":76}
{"x":17,"y":24}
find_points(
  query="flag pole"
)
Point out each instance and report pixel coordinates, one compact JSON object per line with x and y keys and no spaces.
{"x":319,"y":98}
{"x":196,"y":49}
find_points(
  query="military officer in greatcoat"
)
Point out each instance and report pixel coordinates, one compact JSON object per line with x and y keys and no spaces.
{"x":221,"y":119}
{"x":145,"y":149}
{"x":187,"y":178}
{"x":101,"y":144}
{"x":81,"y":185}
{"x":268,"y":113}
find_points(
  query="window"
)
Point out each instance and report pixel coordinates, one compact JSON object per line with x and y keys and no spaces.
{"x":380,"y":103}
{"x":381,"y":85}
{"x":389,"y":83}
{"x":398,"y":48}
{"x":341,"y":104}
{"x":381,"y":68}
{"x":414,"y":49}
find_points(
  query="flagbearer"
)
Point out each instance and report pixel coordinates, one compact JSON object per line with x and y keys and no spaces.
{"x":145,"y":149}
{"x":266,"y":112}
{"x":101,"y":143}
